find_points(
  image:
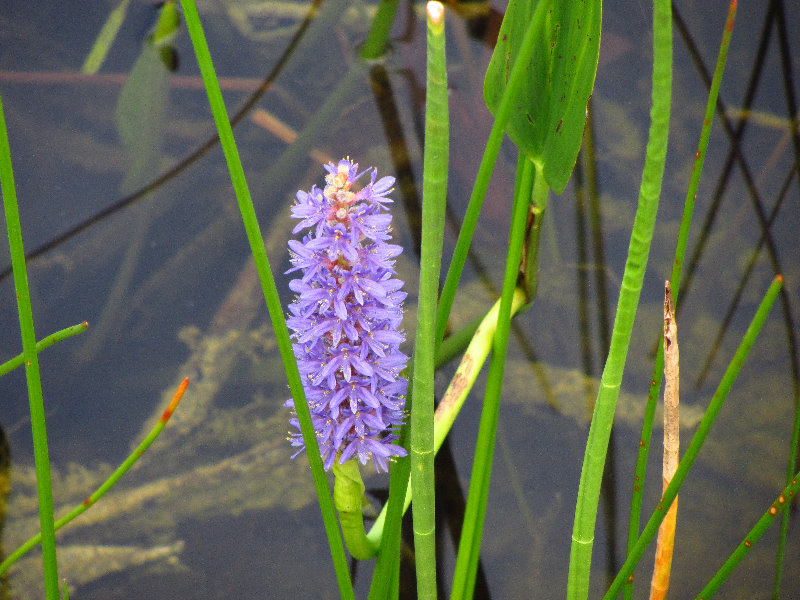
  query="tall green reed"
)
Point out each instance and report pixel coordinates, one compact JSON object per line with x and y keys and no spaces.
{"x":31,"y":358}
{"x":675,"y":281}
{"x":638,"y":252}
{"x":434,"y":198}
{"x":269,"y":289}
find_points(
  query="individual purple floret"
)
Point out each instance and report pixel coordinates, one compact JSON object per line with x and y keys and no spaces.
{"x":346,"y":316}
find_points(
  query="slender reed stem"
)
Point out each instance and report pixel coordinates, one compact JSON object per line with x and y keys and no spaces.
{"x":434,"y":199}
{"x":675,"y":281}
{"x":515,"y":80}
{"x":780,"y":504}
{"x":475,"y":512}
{"x":375,"y":45}
{"x":460,"y":386}
{"x":107,"y":484}
{"x":270,"y":292}
{"x":31,"y":358}
{"x":638,"y":252}
{"x":51,"y":339}
{"x":703,"y":429}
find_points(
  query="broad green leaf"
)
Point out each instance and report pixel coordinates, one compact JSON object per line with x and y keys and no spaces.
{"x":550,"y":111}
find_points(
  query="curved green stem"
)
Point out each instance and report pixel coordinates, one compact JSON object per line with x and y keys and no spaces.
{"x":348,"y":498}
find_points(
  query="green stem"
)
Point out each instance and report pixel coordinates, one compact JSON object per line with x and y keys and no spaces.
{"x":472,"y":529}
{"x":638,"y":252}
{"x":529,"y":269}
{"x":105,"y":39}
{"x":270,"y":292}
{"x":458,"y":390}
{"x":107,"y":484}
{"x":476,"y":338}
{"x":703,"y":429}
{"x":31,"y":358}
{"x":51,"y":339}
{"x":434,"y":199}
{"x":675,"y":280}
{"x":780,"y":504}
{"x":348,"y":498}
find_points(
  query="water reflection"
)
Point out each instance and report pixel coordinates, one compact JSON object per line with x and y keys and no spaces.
{"x":192,"y":303}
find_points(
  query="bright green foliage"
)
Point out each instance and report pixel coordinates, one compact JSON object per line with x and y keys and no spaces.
{"x":550,"y":111}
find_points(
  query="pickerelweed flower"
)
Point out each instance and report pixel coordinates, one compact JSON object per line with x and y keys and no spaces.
{"x":346,"y":316}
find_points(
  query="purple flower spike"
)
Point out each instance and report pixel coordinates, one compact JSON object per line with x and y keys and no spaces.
{"x":346,"y":316}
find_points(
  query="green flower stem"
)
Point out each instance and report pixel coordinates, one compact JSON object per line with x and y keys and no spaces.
{"x":270,"y":293}
{"x":107,"y":484}
{"x":472,"y":529}
{"x":58,"y":336}
{"x":675,"y":280}
{"x":348,"y":498}
{"x":638,"y":252}
{"x":385,"y":583}
{"x":434,"y":192}
{"x":31,"y":359}
{"x":703,"y":429}
{"x":459,"y":388}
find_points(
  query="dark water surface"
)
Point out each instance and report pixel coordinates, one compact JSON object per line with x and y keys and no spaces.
{"x":155,"y":279}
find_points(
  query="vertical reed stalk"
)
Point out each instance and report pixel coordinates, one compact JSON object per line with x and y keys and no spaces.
{"x":675,"y":282}
{"x":638,"y":252}
{"x":31,"y":357}
{"x":475,"y":512}
{"x":434,"y":190}
{"x":270,"y":291}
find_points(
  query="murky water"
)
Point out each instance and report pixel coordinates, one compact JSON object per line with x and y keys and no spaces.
{"x":216,"y":509}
